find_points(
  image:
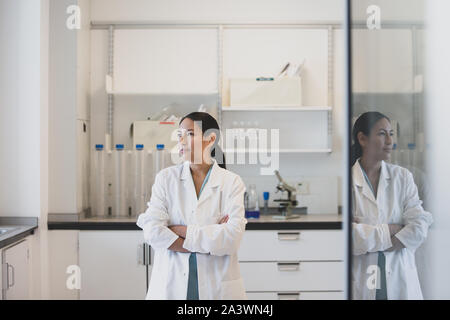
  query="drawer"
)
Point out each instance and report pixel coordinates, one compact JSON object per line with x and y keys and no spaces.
{"x":273,"y":245}
{"x":293,"y":276}
{"x":300,"y":295}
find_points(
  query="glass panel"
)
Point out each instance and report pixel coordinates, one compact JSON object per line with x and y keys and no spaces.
{"x":389,"y":181}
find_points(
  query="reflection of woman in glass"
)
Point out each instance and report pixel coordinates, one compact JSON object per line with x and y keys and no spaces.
{"x":389,"y":223}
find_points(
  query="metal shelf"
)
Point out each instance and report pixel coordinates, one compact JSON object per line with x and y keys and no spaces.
{"x":276,"y":108}
{"x":279,"y":151}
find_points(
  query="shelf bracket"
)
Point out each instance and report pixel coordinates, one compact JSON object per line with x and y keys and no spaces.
{"x":330,"y":84}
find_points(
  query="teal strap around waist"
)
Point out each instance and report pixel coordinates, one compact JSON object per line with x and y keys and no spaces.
{"x":381,"y":293}
{"x":192,"y":291}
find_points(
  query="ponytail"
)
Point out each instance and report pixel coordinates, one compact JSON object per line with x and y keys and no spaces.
{"x":355,"y":153}
{"x":219,"y":156}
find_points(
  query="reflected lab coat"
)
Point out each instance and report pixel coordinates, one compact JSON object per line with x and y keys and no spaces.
{"x":174,"y":202}
{"x":397,"y":203}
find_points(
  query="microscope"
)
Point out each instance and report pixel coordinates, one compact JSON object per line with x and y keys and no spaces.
{"x":286,"y":205}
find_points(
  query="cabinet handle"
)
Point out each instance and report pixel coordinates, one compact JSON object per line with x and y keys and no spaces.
{"x":288,"y":266}
{"x":147,"y":254}
{"x":9,"y":285}
{"x":144,"y":254}
{"x":288,"y":295}
{"x":289,"y":236}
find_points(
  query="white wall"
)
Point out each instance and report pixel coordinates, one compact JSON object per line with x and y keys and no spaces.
{"x":20,"y":101}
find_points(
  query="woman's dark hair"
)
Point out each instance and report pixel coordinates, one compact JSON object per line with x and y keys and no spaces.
{"x":363,"y":124}
{"x":209,"y":125}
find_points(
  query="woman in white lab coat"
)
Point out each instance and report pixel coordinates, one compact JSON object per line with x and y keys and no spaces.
{"x":389,"y":223}
{"x":195,"y":220}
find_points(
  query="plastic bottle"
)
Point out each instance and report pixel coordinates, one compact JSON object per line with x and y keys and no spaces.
{"x":412,"y":155}
{"x":138,"y":180}
{"x":253,"y":208}
{"x":149,"y":176}
{"x":266,"y":202}
{"x":109,"y":177}
{"x":120,"y":184}
{"x":98,"y":184}
{"x":160,"y":158}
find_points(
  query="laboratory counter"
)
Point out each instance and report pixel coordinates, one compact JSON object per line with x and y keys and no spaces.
{"x":13,"y":229}
{"x":264,"y":222}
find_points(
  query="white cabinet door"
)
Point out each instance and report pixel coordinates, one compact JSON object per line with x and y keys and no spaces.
{"x":110,"y":265}
{"x":15,"y":269}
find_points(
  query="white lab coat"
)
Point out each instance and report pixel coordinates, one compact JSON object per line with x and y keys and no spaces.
{"x":174,"y":202}
{"x":397,"y":203}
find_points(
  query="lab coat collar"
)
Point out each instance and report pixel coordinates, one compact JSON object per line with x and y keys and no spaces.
{"x":210,"y":186}
{"x":360,"y":181}
{"x":213,"y":180}
{"x":358,"y":176}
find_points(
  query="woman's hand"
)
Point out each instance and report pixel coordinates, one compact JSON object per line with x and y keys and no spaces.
{"x":180,"y":230}
{"x":223,"y":220}
{"x":356,"y":219}
{"x":178,"y":246}
{"x":396,"y":244}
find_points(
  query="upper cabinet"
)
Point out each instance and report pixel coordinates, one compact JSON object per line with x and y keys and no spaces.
{"x":382,"y":61}
{"x":165,"y":61}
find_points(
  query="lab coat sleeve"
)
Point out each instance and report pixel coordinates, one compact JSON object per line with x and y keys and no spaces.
{"x":155,"y":219}
{"x":370,"y":238}
{"x":416,"y":219}
{"x":221,"y":239}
